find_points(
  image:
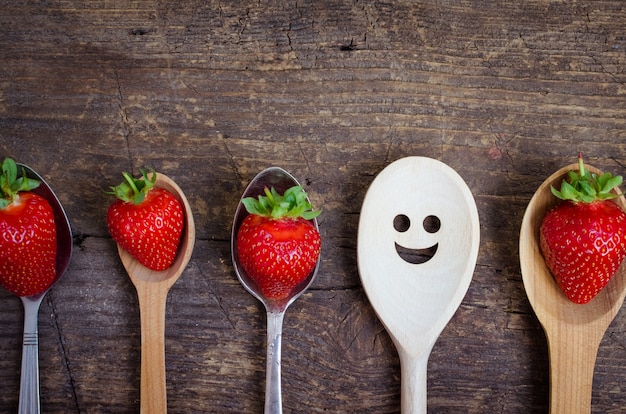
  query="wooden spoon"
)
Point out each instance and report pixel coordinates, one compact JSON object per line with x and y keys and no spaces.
{"x":573,"y":331}
{"x":420,"y":206}
{"x":152,"y":289}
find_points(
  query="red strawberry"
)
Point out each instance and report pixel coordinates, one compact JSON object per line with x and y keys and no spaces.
{"x":146,"y":221}
{"x":583,"y":239}
{"x":28,"y":235}
{"x":277,"y":245}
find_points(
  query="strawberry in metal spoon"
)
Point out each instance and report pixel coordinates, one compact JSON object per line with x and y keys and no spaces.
{"x":35,"y":251}
{"x":257,"y":247}
{"x":28,"y":237}
{"x":277,"y":244}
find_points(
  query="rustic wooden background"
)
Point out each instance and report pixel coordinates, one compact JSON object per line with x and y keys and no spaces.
{"x":211,"y":92}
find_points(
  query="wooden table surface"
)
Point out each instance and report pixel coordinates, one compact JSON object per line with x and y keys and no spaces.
{"x":210,"y":93}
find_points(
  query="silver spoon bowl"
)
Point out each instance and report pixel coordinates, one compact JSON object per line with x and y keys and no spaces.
{"x":29,"y":383}
{"x":281,"y":180}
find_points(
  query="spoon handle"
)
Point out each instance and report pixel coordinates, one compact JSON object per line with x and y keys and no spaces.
{"x":153,"y":390}
{"x":572,"y":359}
{"x":413,"y":383}
{"x":273,"y":398}
{"x":29,"y":380}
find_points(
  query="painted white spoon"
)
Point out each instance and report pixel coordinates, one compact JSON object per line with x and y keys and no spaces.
{"x":573,"y":331}
{"x":417,"y":247}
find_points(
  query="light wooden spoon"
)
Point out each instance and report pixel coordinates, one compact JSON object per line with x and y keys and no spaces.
{"x":415,"y":295}
{"x":152,"y":289}
{"x":573,"y":331}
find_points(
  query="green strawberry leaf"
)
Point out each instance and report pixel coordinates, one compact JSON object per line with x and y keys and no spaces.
{"x":293,"y":203}
{"x":134,"y":189}
{"x":606,"y":183}
{"x":586,"y":187}
{"x":11,"y":185}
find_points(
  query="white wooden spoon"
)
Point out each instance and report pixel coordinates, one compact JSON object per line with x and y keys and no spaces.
{"x":418,"y":242}
{"x":574,"y":332}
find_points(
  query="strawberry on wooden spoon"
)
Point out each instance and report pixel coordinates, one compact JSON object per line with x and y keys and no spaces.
{"x":583,"y":239}
{"x":276,"y":244}
{"x":146,"y":221}
{"x":28,"y":236}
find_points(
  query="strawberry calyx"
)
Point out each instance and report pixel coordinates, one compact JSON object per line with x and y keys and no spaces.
{"x":11,"y":185}
{"x":292,"y":204}
{"x":587,"y":187}
{"x":134,"y":190}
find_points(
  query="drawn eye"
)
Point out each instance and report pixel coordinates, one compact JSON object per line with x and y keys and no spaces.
{"x":432,"y":224}
{"x":401,"y":223}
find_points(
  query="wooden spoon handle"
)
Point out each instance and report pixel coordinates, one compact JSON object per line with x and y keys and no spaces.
{"x":413,"y":383}
{"x":572,"y":361}
{"x":153,"y":394}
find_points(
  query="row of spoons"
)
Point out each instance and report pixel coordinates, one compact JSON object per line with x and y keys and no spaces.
{"x":415,"y":298}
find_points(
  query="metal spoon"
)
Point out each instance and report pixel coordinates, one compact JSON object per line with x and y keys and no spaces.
{"x":281,"y":180}
{"x":423,"y":207}
{"x":152,"y":289}
{"x":573,"y":331}
{"x":29,"y":382}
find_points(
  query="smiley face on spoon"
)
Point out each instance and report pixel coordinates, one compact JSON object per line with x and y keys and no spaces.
{"x":430,"y":224}
{"x":415,"y":215}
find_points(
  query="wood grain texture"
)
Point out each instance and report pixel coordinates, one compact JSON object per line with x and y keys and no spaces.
{"x":210,"y":93}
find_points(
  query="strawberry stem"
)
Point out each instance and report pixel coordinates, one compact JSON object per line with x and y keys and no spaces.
{"x":581,"y":164}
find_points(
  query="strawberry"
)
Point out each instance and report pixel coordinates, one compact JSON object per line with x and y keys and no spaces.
{"x":277,"y":245}
{"x":28,"y":235}
{"x":583,"y":239}
{"x":146,"y":221}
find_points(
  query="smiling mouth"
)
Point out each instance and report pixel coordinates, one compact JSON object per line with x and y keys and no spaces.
{"x":416,"y":256}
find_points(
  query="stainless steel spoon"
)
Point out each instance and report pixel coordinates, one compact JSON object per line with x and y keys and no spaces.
{"x":281,"y":180}
{"x":29,"y":383}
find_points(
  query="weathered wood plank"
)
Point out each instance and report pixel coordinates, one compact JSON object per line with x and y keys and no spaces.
{"x":210,"y":93}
